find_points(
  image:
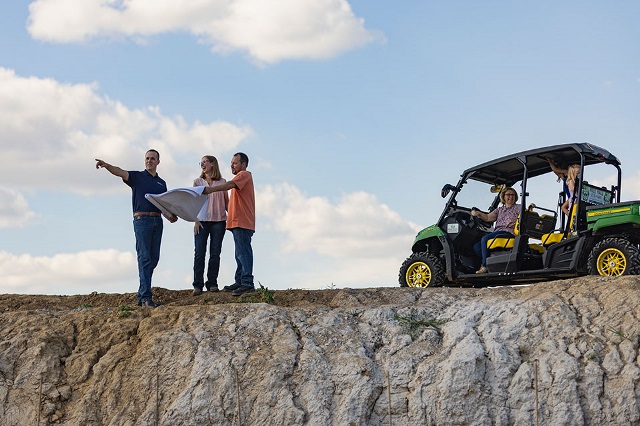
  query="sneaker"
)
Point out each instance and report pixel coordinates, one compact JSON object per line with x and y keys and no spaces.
{"x":243,"y":289}
{"x":482,"y":270}
{"x":213,"y":289}
{"x":231,"y":287}
{"x":149,"y":304}
{"x":197,"y":291}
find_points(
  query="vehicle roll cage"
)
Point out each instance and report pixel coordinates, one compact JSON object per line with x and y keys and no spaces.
{"x":521,"y":166}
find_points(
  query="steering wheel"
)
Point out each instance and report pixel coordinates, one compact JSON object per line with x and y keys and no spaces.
{"x":479,"y":223}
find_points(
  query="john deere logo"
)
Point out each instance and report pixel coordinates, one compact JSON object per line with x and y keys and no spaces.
{"x":605,"y":212}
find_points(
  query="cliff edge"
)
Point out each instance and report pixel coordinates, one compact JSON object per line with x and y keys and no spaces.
{"x":561,"y":352}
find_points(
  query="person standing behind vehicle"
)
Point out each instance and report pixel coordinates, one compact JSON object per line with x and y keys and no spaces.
{"x":147,"y":220}
{"x":241,"y":221}
{"x":505,"y":218}
{"x":210,"y":225}
{"x":572,"y":180}
{"x":561,"y":173}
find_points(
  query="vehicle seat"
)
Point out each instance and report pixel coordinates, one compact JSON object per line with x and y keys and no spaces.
{"x":539,"y":248}
{"x":557,"y":235}
{"x":501,"y":242}
{"x":535,"y":226}
{"x":498,"y":243}
{"x":552,"y":238}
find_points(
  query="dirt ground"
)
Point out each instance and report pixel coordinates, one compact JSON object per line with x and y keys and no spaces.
{"x":165,"y":297}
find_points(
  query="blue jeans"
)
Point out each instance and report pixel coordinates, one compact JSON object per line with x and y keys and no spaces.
{"x":148,"y":231}
{"x":481,"y":246}
{"x":214,"y":231}
{"x":244,"y":256}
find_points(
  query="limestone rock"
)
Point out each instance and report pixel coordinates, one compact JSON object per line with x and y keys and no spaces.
{"x":562,"y":352}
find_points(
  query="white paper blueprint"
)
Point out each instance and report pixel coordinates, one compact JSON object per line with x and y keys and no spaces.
{"x":185,"y":203}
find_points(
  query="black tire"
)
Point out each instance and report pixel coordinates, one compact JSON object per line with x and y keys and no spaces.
{"x":614,"y":256}
{"x":422,"y":270}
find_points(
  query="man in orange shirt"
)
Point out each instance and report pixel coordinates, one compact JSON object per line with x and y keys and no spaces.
{"x":241,"y":221}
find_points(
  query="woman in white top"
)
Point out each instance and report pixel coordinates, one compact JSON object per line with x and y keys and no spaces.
{"x":211,"y":225}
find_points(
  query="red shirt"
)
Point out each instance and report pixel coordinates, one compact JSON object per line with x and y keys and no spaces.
{"x":242,"y":203}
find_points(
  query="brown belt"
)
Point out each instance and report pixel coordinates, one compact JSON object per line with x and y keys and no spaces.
{"x":153,"y":214}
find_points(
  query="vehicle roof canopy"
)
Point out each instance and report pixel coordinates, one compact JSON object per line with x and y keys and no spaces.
{"x":510,"y":169}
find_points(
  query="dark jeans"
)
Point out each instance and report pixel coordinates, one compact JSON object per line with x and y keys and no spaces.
{"x":148,"y":231}
{"x":244,"y":256}
{"x":214,"y":231}
{"x":481,"y":246}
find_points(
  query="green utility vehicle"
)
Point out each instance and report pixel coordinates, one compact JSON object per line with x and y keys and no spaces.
{"x":601,"y":236}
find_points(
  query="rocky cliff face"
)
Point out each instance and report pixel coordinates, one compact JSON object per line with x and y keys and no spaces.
{"x":557,"y":353}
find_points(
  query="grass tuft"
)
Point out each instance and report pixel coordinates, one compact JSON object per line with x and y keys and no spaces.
{"x":415,"y":323}
{"x":124,"y":311}
{"x":261,"y":295}
{"x":623,"y":335}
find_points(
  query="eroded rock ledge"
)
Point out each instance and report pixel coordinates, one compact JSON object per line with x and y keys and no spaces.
{"x":565,"y":352}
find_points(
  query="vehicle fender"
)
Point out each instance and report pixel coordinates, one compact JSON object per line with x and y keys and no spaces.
{"x":428,"y":233}
{"x":624,"y":214}
{"x":607,"y":222}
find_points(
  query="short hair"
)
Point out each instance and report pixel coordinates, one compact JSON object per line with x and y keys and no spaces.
{"x":216,"y":168}
{"x":243,"y":157}
{"x":153,"y":150}
{"x":504,"y":191}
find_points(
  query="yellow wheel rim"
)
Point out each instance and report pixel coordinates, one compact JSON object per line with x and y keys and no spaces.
{"x":418,"y":275}
{"x":611,"y":262}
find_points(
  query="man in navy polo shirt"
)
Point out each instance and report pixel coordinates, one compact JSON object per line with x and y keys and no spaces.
{"x":147,"y":220}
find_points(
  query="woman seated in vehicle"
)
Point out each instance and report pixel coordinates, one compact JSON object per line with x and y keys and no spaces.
{"x":505,"y":218}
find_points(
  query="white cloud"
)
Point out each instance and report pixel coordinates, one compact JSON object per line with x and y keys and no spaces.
{"x":631,"y":187}
{"x":630,"y":183}
{"x":362,"y":239}
{"x":58,"y":129}
{"x":105,"y":271}
{"x":268,"y":30}
{"x":14,"y":209}
{"x":356,"y":226}
{"x":354,"y":242}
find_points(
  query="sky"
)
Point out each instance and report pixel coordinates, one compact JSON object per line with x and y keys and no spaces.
{"x":353,"y":114}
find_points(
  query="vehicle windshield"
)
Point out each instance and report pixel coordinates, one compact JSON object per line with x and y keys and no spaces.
{"x":477,"y":194}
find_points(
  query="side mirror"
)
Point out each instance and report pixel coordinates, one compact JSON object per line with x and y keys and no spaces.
{"x":446,"y":189}
{"x":496,"y":189}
